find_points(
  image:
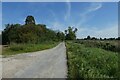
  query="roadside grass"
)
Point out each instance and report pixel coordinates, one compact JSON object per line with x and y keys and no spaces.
{"x":24,"y":48}
{"x":88,"y":62}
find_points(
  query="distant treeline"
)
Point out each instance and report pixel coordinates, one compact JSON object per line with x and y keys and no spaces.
{"x":31,"y":32}
{"x":94,"y":38}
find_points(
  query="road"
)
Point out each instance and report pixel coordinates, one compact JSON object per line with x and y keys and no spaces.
{"x":49,"y":63}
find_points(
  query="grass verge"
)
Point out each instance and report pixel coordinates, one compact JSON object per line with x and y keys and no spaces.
{"x":86,"y":62}
{"x":24,"y":48}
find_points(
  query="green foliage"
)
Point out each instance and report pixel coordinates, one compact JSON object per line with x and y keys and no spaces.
{"x":29,"y":33}
{"x":10,"y":33}
{"x":87,"y":62}
{"x":30,"y":20}
{"x":88,"y":37}
{"x":60,"y":36}
{"x":70,"y":33}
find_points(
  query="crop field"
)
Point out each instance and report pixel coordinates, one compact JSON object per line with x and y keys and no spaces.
{"x":89,"y":61}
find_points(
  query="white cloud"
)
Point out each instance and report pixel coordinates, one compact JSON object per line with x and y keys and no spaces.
{"x":68,"y":12}
{"x":109,"y":30}
{"x":94,"y":7}
{"x":106,"y":32}
{"x":85,"y":15}
{"x":57,"y":25}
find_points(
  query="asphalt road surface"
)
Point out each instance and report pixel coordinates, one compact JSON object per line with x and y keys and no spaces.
{"x":49,"y":63}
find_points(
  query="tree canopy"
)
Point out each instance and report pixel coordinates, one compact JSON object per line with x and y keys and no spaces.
{"x":31,"y":32}
{"x":30,"y":20}
{"x":70,"y":33}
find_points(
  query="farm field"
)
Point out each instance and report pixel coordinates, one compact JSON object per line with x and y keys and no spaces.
{"x":91,"y":62}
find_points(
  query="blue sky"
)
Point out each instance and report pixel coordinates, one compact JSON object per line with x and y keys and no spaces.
{"x":91,"y":18}
{"x":0,"y":17}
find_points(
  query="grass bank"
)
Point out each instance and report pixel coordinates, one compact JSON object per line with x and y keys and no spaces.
{"x":24,"y":48}
{"x":88,"y":62}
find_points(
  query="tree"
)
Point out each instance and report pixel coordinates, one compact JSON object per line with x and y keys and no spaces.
{"x":60,"y":36}
{"x":65,"y":32}
{"x":30,"y":33}
{"x":75,"y":30}
{"x":30,"y":20}
{"x":105,"y":38}
{"x":118,"y":38}
{"x":100,"y":38}
{"x":93,"y":38}
{"x":70,"y":33}
{"x":10,"y":33}
{"x":88,"y":37}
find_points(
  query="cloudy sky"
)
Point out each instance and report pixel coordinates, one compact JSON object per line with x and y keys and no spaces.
{"x":91,"y":18}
